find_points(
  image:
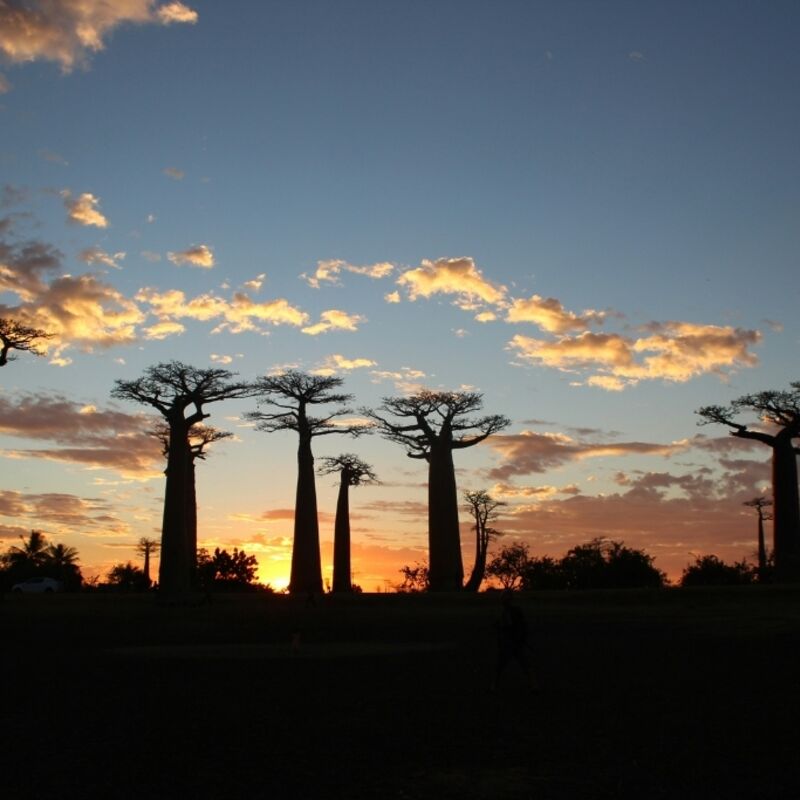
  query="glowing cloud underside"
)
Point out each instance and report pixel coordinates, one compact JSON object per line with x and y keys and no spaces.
{"x":67,"y":32}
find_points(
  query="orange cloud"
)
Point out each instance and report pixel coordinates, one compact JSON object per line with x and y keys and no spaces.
{"x":198,"y":255}
{"x":334,"y":319}
{"x":674,"y":351}
{"x":454,"y":276}
{"x":550,"y":315}
{"x":66,"y":32}
{"x":95,"y":255}
{"x":82,"y":210}
{"x":338,"y":363}
{"x":330,"y":272}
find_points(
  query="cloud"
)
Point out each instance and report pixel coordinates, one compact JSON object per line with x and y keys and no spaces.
{"x":174,"y":173}
{"x":163,"y":330}
{"x":532,"y":452}
{"x":12,"y":196}
{"x":454,"y":276}
{"x":551,"y":316}
{"x":198,"y":255}
{"x":53,"y":158}
{"x":94,"y":255}
{"x":236,"y":316}
{"x":150,"y":256}
{"x":330,"y":272}
{"x":65,"y":511}
{"x":636,"y":55}
{"x":176,"y":12}
{"x":67,"y":32}
{"x":255,"y":284}
{"x":392,"y":297}
{"x":334,"y":319}
{"x":83,"y":434}
{"x":82,"y":210}
{"x":406,"y":380}
{"x":5,"y":84}
{"x":674,"y":351}
{"x":221,"y":359}
{"x":338,"y":363}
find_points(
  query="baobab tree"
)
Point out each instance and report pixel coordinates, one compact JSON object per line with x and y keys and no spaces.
{"x":483,"y":508}
{"x":284,"y":402}
{"x":431,"y":425}
{"x":146,"y":547}
{"x":352,"y":472}
{"x":760,"y":504}
{"x":200,"y":437}
{"x":16,"y":336}
{"x":779,"y":412}
{"x":179,"y":392}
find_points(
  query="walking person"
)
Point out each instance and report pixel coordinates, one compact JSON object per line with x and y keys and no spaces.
{"x":512,"y":641}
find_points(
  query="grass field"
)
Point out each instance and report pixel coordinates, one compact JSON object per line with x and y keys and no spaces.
{"x":666,"y":694}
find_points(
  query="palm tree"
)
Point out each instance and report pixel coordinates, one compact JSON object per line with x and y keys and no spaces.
{"x":62,"y":562}
{"x":31,"y":555}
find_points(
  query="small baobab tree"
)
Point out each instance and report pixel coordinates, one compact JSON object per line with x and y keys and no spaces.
{"x":352,"y":472}
{"x":180,"y":393}
{"x":147,"y":547}
{"x":779,"y":413}
{"x":285,"y":401}
{"x":760,"y":504}
{"x":430,"y":425}
{"x":483,"y":508}
{"x":16,"y":336}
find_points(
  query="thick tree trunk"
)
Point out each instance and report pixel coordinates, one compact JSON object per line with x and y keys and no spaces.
{"x":146,"y":569}
{"x":341,"y":539}
{"x":306,"y":576}
{"x":786,"y":509}
{"x":173,"y":572}
{"x":446,"y":570}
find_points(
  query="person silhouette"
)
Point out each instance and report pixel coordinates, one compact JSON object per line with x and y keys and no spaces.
{"x":512,"y":640}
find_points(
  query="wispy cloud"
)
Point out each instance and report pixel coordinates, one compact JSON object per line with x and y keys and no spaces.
{"x":338,"y":363}
{"x":198,"y":255}
{"x":67,"y":32}
{"x":95,"y":255}
{"x":330,"y":272}
{"x":5,"y":84}
{"x":550,"y":315}
{"x":334,"y":319}
{"x":174,"y":173}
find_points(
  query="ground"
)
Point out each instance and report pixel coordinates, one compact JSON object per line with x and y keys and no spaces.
{"x":670,"y":694}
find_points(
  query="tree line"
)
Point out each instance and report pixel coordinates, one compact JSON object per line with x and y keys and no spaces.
{"x":429,"y":425}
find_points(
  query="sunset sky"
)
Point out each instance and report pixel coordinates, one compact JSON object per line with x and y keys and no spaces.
{"x":589,"y":212}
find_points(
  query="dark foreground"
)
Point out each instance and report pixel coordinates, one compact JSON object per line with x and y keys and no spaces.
{"x":645,"y":695}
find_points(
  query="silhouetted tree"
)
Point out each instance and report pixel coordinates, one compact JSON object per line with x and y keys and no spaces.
{"x":712,"y":571}
{"x":146,"y":547}
{"x":285,"y":399}
{"x":179,"y":393}
{"x":16,"y":336}
{"x":127,"y":578}
{"x":431,"y":426}
{"x":543,"y":572}
{"x":483,"y":508}
{"x":602,"y":564}
{"x":781,"y":411}
{"x":62,"y":564}
{"x":200,"y":437}
{"x":415,"y":579}
{"x":509,"y":565}
{"x":226,"y":571}
{"x":352,"y":472}
{"x":31,"y":556}
{"x":759,"y":504}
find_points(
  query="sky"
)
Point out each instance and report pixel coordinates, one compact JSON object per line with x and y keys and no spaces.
{"x":588,"y":212}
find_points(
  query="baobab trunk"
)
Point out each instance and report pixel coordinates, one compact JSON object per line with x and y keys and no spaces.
{"x":191,"y":523}
{"x":306,"y":576}
{"x":479,"y":567}
{"x":341,"y":538}
{"x":786,"y":509}
{"x":446,"y":571}
{"x":173,"y":571}
{"x":762,"y":549}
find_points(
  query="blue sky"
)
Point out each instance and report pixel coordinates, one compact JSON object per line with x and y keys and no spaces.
{"x":589,"y":212}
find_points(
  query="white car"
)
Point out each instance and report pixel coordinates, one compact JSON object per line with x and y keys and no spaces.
{"x":38,"y":585}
